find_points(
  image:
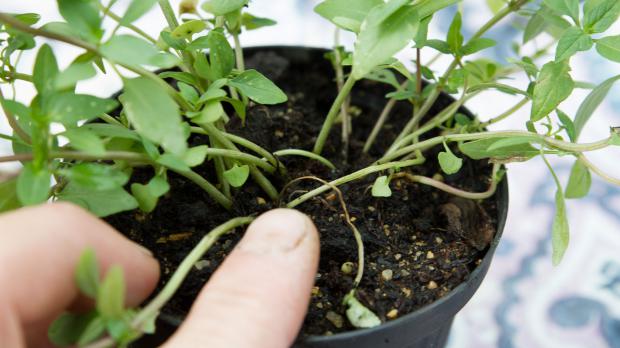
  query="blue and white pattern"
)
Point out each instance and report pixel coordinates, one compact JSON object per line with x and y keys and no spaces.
{"x":524,"y":301}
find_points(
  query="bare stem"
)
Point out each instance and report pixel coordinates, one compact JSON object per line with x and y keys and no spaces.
{"x":12,"y":120}
{"x":332,"y":114}
{"x":610,"y":179}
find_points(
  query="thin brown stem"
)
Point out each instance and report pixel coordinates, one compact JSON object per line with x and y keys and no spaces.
{"x":12,"y":120}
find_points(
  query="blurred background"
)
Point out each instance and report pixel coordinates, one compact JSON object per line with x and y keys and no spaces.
{"x":524,"y":301}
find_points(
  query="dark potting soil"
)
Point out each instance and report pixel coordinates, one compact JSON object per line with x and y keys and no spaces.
{"x":419,"y":243}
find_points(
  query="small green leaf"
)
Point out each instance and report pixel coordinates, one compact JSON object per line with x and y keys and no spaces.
{"x":535,"y":26}
{"x":69,"y":108}
{"x":439,"y":45}
{"x":477,"y":45}
{"x":614,"y":139}
{"x":359,"y":316}
{"x":33,"y":186}
{"x":87,"y":273}
{"x":98,"y":202}
{"x":495,"y":5}
{"x":154,"y":114}
{"x":97,"y":177}
{"x":74,"y":73}
{"x":480,"y":149}
{"x":258,"y":88}
{"x":572,"y":41}
{"x":579,"y":181}
{"x":381,"y":187}
{"x":222,"y":7}
{"x":94,"y":330}
{"x":179,"y":76}
{"x":560,"y":234}
{"x":251,"y":22}
{"x":237,"y":175}
{"x":347,"y":14}
{"x":195,"y":156}
{"x":83,"y":16}
{"x":188,"y":92}
{"x":173,"y":162}
{"x":448,"y":162}
{"x":111,"y":131}
{"x":565,"y":7}
{"x":553,"y":86}
{"x":609,"y":47}
{"x":68,"y":327}
{"x":148,"y":195}
{"x":8,"y":195}
{"x":455,"y":38}
{"x":221,"y":55}
{"x":387,"y":29}
{"x":189,"y":28}
{"x":129,"y":50}
{"x":111,"y":294}
{"x":136,"y":9}
{"x":45,"y":70}
{"x":211,"y":112}
{"x":568,"y":125}
{"x":599,"y":15}
{"x":591,"y":103}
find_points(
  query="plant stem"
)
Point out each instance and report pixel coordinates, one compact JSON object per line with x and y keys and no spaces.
{"x":598,"y":171}
{"x":333,"y":113}
{"x":10,"y":76}
{"x":12,"y":120}
{"x":344,"y":109}
{"x":207,"y":186}
{"x":238,"y":52}
{"x":353,"y":176}
{"x":168,"y":12}
{"x":506,"y":114}
{"x":383,"y":117}
{"x":537,"y":138}
{"x":132,"y":27}
{"x":453,"y":190}
{"x":304,"y":153}
{"x":154,"y":307}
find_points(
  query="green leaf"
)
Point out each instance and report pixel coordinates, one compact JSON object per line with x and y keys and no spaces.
{"x":534,"y":27}
{"x":83,"y":16}
{"x":154,"y":114}
{"x":129,"y":50}
{"x":33,"y":186}
{"x":496,"y":5}
{"x":179,"y":76}
{"x":8,"y":195}
{"x":111,"y":294}
{"x":148,"y":195}
{"x":211,"y":112}
{"x":87,"y":273}
{"x":222,"y":7}
{"x":74,"y":73}
{"x":98,"y":202}
{"x":565,"y":7}
{"x":568,"y":125}
{"x":94,"y":330}
{"x":221,"y":55}
{"x":614,"y":139}
{"x":85,"y":141}
{"x":97,"y":177}
{"x":111,"y":131}
{"x":572,"y":41}
{"x":188,"y":92}
{"x":599,"y":15}
{"x":439,"y":45}
{"x":136,"y":9}
{"x":27,"y":18}
{"x":553,"y":86}
{"x":480,"y":149}
{"x":352,"y":11}
{"x":422,"y":35}
{"x":359,"y":316}
{"x":477,"y":45}
{"x":45,"y":70}
{"x":560,"y":234}
{"x":387,"y":29}
{"x":69,"y":108}
{"x":189,"y":28}
{"x":455,"y":38}
{"x":609,"y":47}
{"x":68,"y":327}
{"x":381,"y":187}
{"x":237,"y":175}
{"x":448,"y":162}
{"x":195,"y":156}
{"x":173,"y":162}
{"x":251,"y":22}
{"x":258,"y":88}
{"x":579,"y":181}
{"x":591,"y":103}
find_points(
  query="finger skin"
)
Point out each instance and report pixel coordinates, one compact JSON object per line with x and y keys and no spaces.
{"x":39,"y":250}
{"x":259,"y":296}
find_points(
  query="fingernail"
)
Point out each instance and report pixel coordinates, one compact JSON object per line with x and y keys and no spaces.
{"x":277,"y":231}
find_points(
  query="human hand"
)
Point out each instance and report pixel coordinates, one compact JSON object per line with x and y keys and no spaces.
{"x":257,"y":298}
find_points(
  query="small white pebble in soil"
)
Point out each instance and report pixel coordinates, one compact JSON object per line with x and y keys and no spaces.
{"x":319,"y":305}
{"x":260,"y":201}
{"x":432,"y":285}
{"x":279,"y":133}
{"x":387,"y":274}
{"x":335,"y":318}
{"x":430,"y":255}
{"x":353,"y":219}
{"x":392,"y":314}
{"x":372,"y":209}
{"x":438,"y":240}
{"x":316,"y":291}
{"x":347,"y":267}
{"x":404,"y":273}
{"x":438,"y":177}
{"x":398,"y":256}
{"x":200,"y":265}
{"x":406,"y":291}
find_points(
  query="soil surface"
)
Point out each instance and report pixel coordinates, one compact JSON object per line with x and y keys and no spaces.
{"x":419,"y":243}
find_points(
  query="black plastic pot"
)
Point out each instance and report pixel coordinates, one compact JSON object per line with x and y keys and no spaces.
{"x":428,"y":327}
